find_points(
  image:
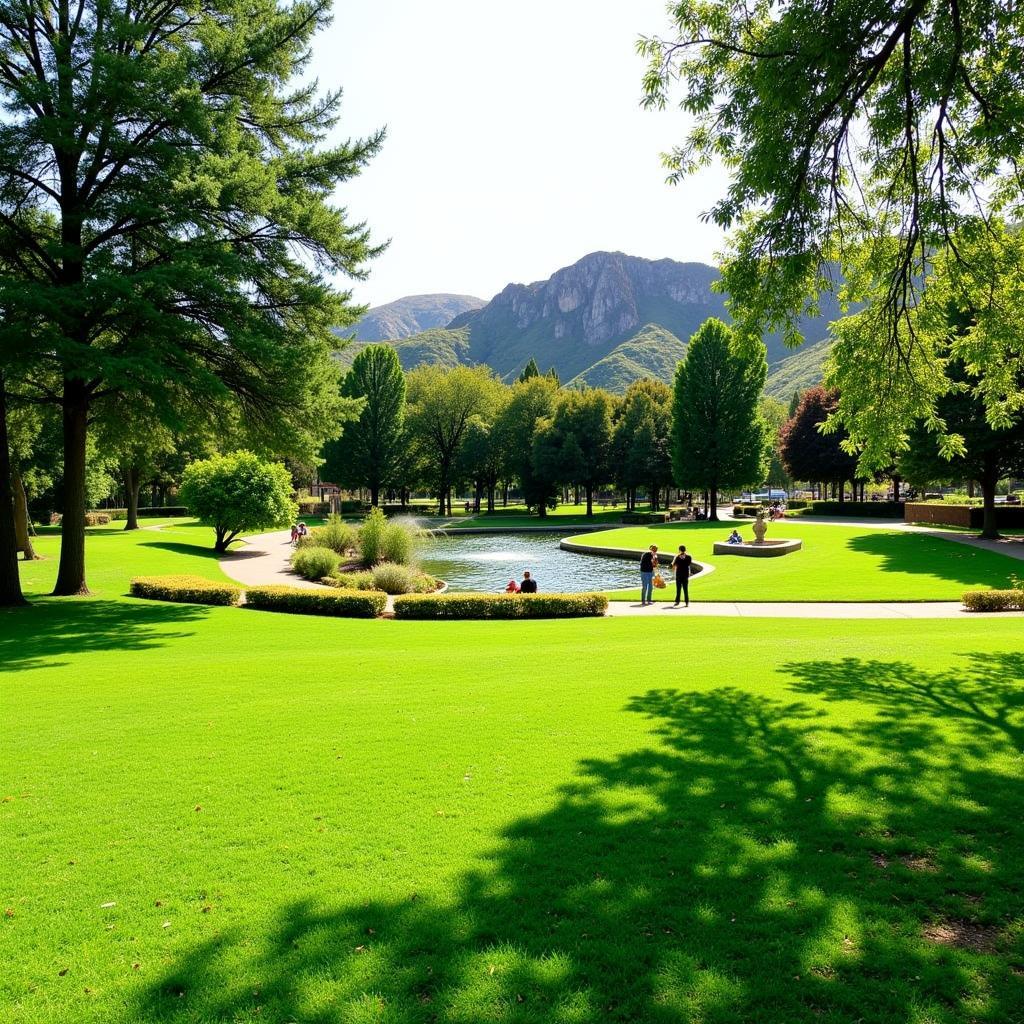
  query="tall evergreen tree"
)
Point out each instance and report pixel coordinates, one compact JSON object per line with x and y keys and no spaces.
{"x":531,"y":369}
{"x":165,"y":187}
{"x":719,"y":440}
{"x":368,"y":452}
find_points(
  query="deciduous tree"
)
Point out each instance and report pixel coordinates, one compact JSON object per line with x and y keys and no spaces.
{"x":238,"y":492}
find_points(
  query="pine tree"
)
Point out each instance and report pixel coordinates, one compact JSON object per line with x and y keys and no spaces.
{"x":531,"y":369}
{"x":166,"y":189}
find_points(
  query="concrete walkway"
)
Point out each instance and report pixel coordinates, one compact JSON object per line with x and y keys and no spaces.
{"x":264,"y":560}
{"x":807,"y":610}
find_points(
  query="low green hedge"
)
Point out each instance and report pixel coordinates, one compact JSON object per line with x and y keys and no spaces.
{"x":500,"y":606}
{"x":186,"y":589}
{"x":353,"y":604}
{"x":860,"y":509}
{"x":994,"y":600}
{"x":642,"y":518}
{"x":747,"y":510}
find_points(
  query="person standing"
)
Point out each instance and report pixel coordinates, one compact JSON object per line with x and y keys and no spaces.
{"x":682,"y":564}
{"x":648,"y":563}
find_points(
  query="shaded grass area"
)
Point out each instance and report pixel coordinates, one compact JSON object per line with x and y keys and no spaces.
{"x":114,"y":556}
{"x":836,"y":563}
{"x":294,"y":825}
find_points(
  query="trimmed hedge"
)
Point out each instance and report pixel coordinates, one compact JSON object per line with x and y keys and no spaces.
{"x":865,"y":509}
{"x":313,"y":507}
{"x":641,"y":518}
{"x":747,"y":510}
{"x":500,"y":606}
{"x":994,"y":600}
{"x":353,"y":604}
{"x":185,"y":589}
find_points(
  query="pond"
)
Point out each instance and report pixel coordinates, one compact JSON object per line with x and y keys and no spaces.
{"x":487,"y":562}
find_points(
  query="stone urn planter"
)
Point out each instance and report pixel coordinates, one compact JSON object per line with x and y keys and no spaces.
{"x":760,"y":528}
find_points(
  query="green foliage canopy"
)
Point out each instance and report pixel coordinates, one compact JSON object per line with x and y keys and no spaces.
{"x":238,"y":492}
{"x":719,"y":440}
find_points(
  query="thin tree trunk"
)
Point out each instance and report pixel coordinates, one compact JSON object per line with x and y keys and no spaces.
{"x":375,"y":495}
{"x":71,"y":571}
{"x":590,"y":500}
{"x":22,"y":524}
{"x":713,"y":504}
{"x":10,"y":581}
{"x":131,"y":490}
{"x":490,"y":496}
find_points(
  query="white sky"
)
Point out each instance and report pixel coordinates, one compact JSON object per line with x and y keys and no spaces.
{"x":516,"y":141}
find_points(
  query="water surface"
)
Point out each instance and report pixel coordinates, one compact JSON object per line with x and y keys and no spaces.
{"x":487,"y":562}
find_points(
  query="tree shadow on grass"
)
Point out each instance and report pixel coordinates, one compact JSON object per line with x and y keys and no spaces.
{"x":760,"y":861}
{"x":178,"y":548}
{"x":931,"y":556}
{"x":47,"y":633}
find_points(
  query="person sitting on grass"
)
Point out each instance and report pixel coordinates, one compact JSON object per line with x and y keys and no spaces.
{"x":529,"y":584}
{"x":512,"y":588}
{"x":295,"y":532}
{"x":735,"y":538}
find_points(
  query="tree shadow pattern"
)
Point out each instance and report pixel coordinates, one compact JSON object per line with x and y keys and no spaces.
{"x":46,"y":633}
{"x":762,"y":861}
{"x":933,"y":556}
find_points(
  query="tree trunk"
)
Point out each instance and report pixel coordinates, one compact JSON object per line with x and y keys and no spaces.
{"x":71,"y":571}
{"x":10,"y":582}
{"x":504,"y":495}
{"x":655,"y":498}
{"x":478,"y":494}
{"x":842,"y":491}
{"x":590,"y":500}
{"x":970,"y":488}
{"x":374,"y":495}
{"x":575,"y":494}
{"x":490,"y":496}
{"x":988,"y":482}
{"x":713,"y":504}
{"x":22,"y":526}
{"x":131,"y":492}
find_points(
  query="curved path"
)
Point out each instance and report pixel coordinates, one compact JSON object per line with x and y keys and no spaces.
{"x":264,"y":560}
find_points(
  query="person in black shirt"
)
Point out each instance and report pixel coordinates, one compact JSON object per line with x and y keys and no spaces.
{"x":648,"y":563}
{"x":681,"y":564}
{"x":529,"y":584}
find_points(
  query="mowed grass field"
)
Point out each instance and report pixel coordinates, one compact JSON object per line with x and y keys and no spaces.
{"x":836,"y":563}
{"x":221,"y":815}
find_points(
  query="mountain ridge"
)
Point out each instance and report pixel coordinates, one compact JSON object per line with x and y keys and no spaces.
{"x":605,"y":320}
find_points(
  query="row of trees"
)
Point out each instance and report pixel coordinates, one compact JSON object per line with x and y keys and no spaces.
{"x":440,"y":427}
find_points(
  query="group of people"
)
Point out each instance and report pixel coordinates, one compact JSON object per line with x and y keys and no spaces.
{"x":682,"y":567}
{"x":299,"y":530}
{"x":527,"y":586}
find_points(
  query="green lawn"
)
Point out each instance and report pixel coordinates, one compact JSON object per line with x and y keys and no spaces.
{"x":836,"y":563}
{"x":219,"y":815}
